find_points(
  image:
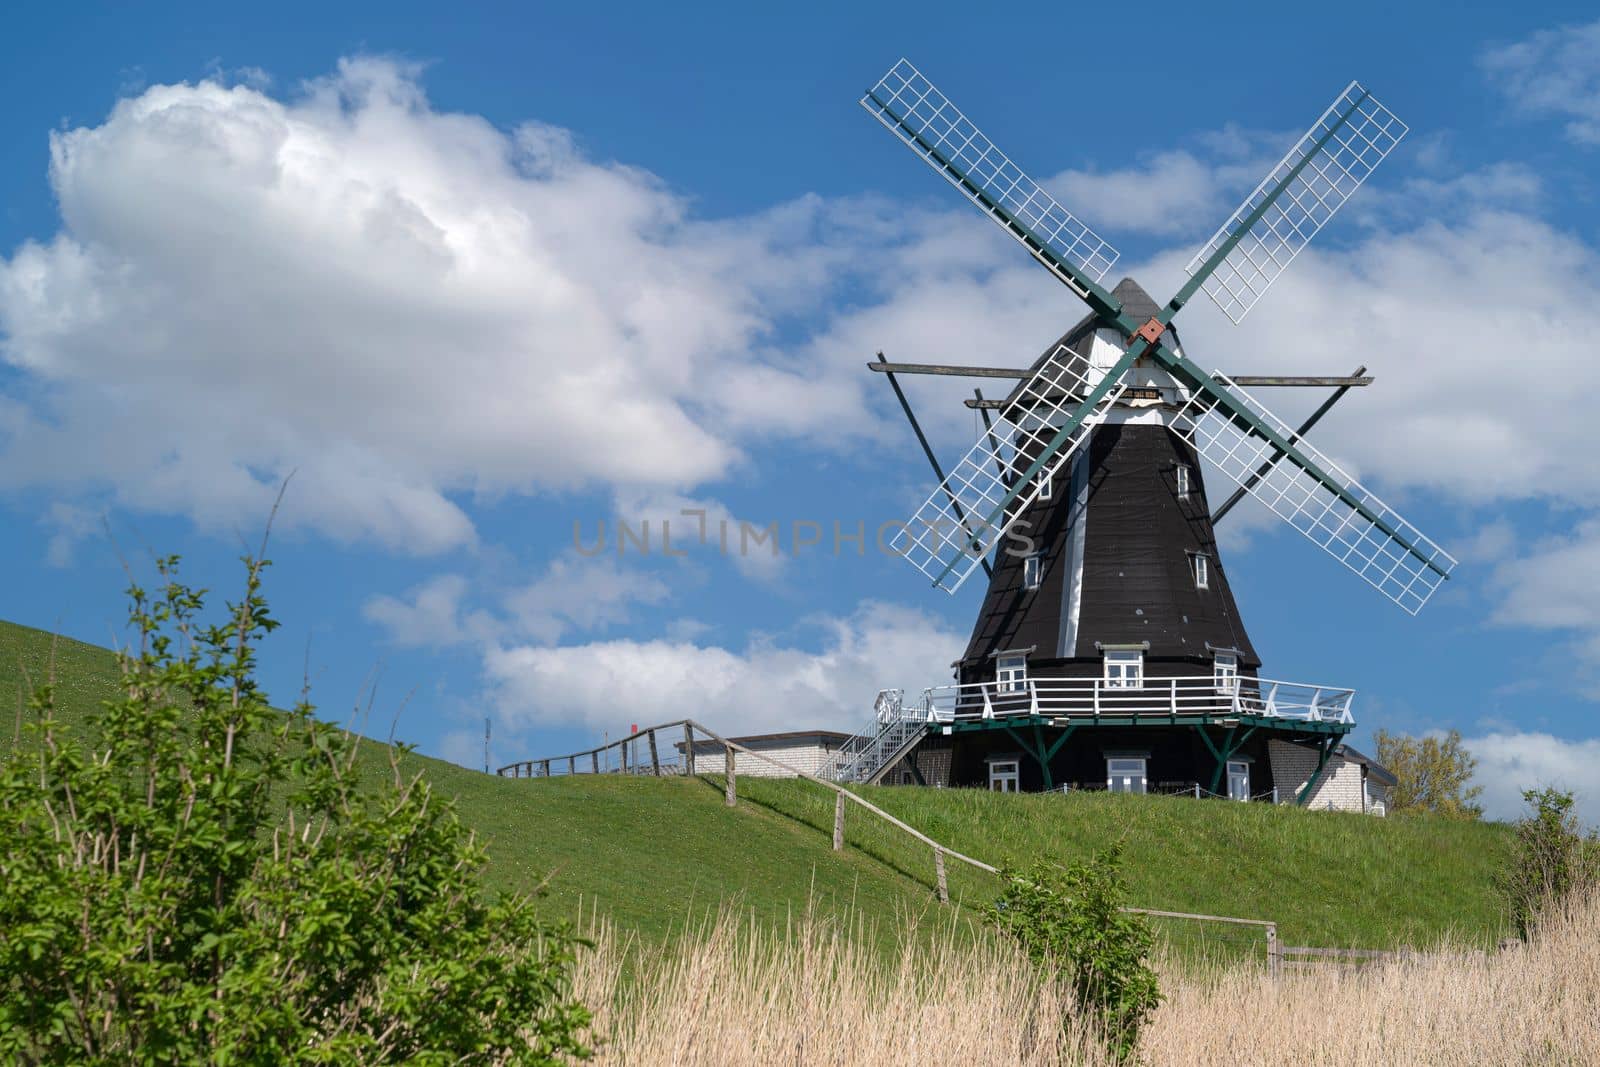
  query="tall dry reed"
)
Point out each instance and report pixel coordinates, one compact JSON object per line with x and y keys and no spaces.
{"x":734,"y":993}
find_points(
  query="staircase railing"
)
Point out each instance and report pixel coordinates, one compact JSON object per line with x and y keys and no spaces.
{"x":893,"y":728}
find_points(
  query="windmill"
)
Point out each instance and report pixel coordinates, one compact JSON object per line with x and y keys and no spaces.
{"x":1097,"y":450}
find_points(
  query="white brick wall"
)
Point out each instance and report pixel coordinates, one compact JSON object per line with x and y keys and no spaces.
{"x":1338,"y":788}
{"x":809,"y":756}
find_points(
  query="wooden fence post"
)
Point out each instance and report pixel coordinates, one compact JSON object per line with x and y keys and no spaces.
{"x":838,"y":821}
{"x":594,"y":760}
{"x":688,"y":750}
{"x":572,"y":764}
{"x":623,"y":749}
{"x":938,"y":869}
{"x":546,"y":768}
{"x":731,"y":794}
{"x":1274,"y":951}
{"x":655,"y":760}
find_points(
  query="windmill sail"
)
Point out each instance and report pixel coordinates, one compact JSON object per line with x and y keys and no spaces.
{"x":925,"y":119}
{"x":1312,"y":494}
{"x":1295,"y":200}
{"x":966,"y":516}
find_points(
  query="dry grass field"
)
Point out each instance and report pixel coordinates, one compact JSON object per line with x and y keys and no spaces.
{"x":739,"y":993}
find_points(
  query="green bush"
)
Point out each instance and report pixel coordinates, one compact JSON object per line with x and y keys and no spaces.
{"x":195,"y":877}
{"x":1551,"y":862}
{"x":1070,"y":922}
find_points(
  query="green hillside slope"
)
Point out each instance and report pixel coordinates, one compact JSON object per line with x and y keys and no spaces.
{"x":655,"y":853}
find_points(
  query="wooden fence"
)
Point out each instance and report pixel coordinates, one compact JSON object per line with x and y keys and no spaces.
{"x":628,"y":760}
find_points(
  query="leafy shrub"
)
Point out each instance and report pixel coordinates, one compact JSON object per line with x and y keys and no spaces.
{"x":196,"y":877}
{"x":1069,"y":920}
{"x":1551,"y":861}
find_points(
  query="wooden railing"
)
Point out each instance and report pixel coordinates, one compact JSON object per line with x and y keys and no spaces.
{"x":1278,"y":955}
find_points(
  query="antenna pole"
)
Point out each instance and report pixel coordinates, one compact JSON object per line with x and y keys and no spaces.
{"x":486,"y":744}
{"x":1261,"y":471}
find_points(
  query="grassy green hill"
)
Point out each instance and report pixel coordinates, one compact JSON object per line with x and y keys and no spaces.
{"x":655,"y":853}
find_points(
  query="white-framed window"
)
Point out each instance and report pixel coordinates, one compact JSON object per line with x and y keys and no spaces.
{"x":1032,"y":570}
{"x":1202,"y":570}
{"x":1225,"y":670}
{"x":1183,"y":481}
{"x":1238,"y":780}
{"x":1125,"y":774}
{"x":1124,"y":670}
{"x":1047,"y":487}
{"x":1004,"y":775}
{"x":1011,"y":671}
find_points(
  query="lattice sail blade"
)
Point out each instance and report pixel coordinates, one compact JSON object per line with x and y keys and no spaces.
{"x":1337,"y":513}
{"x":968,"y":514}
{"x":1296,"y":199}
{"x":914,"y":110}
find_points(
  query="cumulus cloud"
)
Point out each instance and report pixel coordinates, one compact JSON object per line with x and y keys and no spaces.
{"x":766,"y":685}
{"x":573,"y":594}
{"x":1510,"y":762}
{"x":1553,"y":73}
{"x":410,"y":308}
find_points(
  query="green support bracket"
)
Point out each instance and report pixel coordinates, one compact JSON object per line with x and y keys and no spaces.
{"x":1230,"y":748}
{"x":1041,"y":754}
{"x":1323,"y":752}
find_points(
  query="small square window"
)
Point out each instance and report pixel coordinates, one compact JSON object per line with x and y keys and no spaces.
{"x":1011,"y":672}
{"x":1047,"y":487}
{"x":1031,"y":570}
{"x":1202,"y":570}
{"x":1125,"y":775}
{"x":1124,"y":670}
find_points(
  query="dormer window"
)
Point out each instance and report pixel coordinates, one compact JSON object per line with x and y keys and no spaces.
{"x":1225,"y":671}
{"x":1201,"y":565}
{"x":1124,"y":669}
{"x":1011,"y":671}
{"x":1032,"y":569}
{"x":1183,"y":481}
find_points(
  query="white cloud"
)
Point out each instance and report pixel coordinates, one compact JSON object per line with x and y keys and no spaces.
{"x":404,"y":305}
{"x":1510,"y":762}
{"x":1553,"y":73}
{"x":573,"y":594}
{"x":1553,"y":585}
{"x":1172,"y":193}
{"x":764,"y":686}
{"x":578,"y":594}
{"x":429,"y":616}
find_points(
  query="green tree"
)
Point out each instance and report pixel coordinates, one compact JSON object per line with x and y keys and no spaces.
{"x":1432,"y":774}
{"x":1070,"y":922}
{"x":1552,"y":861}
{"x":195,"y":877}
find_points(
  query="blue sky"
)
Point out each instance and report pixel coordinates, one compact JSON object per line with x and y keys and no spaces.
{"x":478,"y":277}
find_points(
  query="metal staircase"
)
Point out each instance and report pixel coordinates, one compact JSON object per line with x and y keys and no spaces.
{"x":894,"y":730}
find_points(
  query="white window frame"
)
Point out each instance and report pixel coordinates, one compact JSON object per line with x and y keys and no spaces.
{"x":1184,"y":486}
{"x":1011,"y":672}
{"x":1127,"y":774}
{"x":1124,"y":669}
{"x":1200,"y":566}
{"x":1047,"y":487}
{"x":1032,"y":570}
{"x":1237,"y":767}
{"x":1225,"y":672}
{"x":1003,"y":772}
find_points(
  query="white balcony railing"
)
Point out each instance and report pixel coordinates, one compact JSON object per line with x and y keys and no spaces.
{"x":1154,"y":698}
